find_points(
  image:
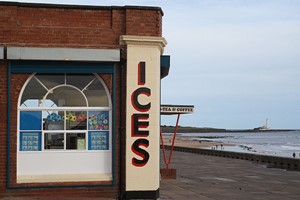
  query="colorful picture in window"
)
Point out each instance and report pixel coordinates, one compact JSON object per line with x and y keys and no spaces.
{"x":53,"y":120}
{"x":98,"y":141}
{"x":76,"y":120}
{"x":98,"y":120}
{"x":30,"y":141}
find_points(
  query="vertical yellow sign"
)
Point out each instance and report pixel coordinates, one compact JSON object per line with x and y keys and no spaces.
{"x":142,"y":113}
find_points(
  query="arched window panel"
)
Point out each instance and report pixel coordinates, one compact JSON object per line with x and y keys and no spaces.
{"x":66,"y":96}
{"x":51,"y":81}
{"x":85,"y":80}
{"x":33,"y":94}
{"x":96,"y":94}
{"x":49,"y":103}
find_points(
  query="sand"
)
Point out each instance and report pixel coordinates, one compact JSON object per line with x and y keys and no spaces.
{"x":183,"y":141}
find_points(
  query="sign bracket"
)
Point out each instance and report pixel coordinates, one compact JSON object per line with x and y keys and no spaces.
{"x":172,"y":110}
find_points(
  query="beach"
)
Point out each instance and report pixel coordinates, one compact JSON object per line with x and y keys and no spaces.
{"x":274,"y":143}
{"x":183,"y":141}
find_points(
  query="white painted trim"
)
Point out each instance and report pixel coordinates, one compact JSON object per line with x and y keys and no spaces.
{"x":1,"y":52}
{"x":66,"y":85}
{"x":143,"y":41}
{"x":66,"y":54}
{"x":64,"y":108}
{"x":50,"y":178}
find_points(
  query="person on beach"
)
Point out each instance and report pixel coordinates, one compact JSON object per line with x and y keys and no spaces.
{"x":294,"y":154}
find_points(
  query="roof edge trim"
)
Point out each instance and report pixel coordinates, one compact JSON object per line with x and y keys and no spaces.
{"x":65,"y":54}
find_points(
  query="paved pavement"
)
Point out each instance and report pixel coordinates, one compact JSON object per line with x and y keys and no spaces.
{"x":204,"y":177}
{"x":201,"y":177}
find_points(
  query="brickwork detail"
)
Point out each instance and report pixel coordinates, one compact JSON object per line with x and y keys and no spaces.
{"x":67,"y":27}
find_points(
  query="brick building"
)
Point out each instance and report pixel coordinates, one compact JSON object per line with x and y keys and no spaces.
{"x":80,"y":100}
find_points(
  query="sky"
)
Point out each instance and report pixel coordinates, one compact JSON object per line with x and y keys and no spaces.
{"x":236,"y":61}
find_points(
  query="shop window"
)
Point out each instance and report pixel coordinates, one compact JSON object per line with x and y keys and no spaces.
{"x":53,"y":140}
{"x":53,"y":120}
{"x":76,"y":120}
{"x":64,"y":130}
{"x":76,"y":141}
{"x":64,"y":112}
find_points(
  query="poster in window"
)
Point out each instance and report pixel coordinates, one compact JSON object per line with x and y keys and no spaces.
{"x":98,"y":120}
{"x":30,"y":141}
{"x":98,"y":140}
{"x":81,"y":144}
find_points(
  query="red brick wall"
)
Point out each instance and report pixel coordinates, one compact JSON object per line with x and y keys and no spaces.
{"x":74,"y":27}
{"x":3,"y":125}
{"x":34,"y":25}
{"x":143,"y":22}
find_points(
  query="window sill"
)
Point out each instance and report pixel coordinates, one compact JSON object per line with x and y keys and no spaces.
{"x":58,"y":178}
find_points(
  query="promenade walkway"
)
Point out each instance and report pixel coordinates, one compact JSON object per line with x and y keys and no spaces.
{"x":204,"y":177}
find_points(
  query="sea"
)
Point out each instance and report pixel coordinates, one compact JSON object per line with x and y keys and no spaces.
{"x":275,"y":143}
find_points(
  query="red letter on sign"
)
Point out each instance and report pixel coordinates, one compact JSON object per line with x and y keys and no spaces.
{"x":135,"y":101}
{"x":142,"y":73}
{"x":136,"y":124}
{"x":140,"y":152}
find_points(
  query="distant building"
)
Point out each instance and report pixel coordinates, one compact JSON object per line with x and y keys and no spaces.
{"x":264,"y":127}
{"x":80,"y":100}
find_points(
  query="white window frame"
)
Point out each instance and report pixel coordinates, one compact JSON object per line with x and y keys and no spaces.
{"x":65,"y":109}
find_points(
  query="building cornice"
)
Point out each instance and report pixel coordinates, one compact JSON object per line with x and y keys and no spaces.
{"x":78,"y":6}
{"x":143,"y":41}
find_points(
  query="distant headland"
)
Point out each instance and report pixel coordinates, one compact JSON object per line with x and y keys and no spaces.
{"x":189,"y":129}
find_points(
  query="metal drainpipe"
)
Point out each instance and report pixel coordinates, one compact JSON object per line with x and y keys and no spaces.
{"x":121,"y":130}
